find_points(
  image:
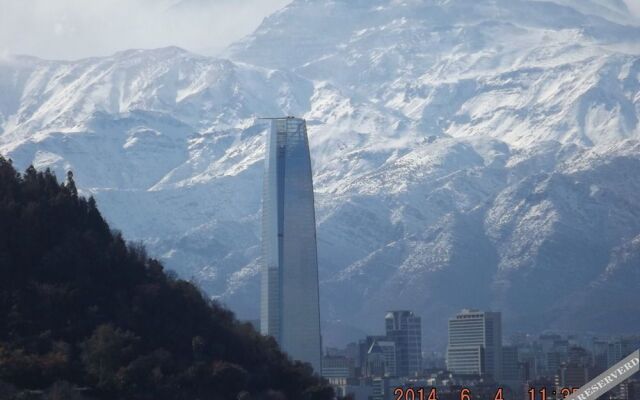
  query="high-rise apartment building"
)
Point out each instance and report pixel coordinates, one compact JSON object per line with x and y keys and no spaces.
{"x":381,"y":359}
{"x":290,"y":310}
{"x":364,"y":345}
{"x":405,"y":330}
{"x":512,"y":375}
{"x":475,"y":343}
{"x":337,"y":369}
{"x":622,"y":347}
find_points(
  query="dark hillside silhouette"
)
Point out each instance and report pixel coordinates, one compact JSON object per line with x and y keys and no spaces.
{"x":85,"y":315}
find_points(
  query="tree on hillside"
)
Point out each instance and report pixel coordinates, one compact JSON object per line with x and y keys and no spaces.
{"x":86,"y":315}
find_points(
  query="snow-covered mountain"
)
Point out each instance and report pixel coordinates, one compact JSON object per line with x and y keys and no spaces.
{"x":467,"y":153}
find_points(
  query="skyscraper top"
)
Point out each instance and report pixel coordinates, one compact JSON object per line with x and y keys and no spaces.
{"x":287,"y":117}
{"x":392,"y":313}
{"x":472,"y":313}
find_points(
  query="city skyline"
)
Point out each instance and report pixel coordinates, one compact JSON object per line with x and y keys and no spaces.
{"x":523,"y":367}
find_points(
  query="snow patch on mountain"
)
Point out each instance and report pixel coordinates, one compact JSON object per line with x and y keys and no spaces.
{"x":465,"y":153}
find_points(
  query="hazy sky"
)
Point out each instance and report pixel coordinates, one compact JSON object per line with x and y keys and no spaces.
{"x":71,"y":29}
{"x":634,"y":5}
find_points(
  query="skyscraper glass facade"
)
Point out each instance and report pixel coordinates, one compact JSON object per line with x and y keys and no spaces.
{"x":405,"y":329}
{"x":290,"y":310}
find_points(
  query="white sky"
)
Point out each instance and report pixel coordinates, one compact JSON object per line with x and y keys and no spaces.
{"x":634,"y":6}
{"x":71,"y":29}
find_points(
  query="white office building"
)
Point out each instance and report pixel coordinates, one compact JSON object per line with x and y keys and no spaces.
{"x":475,"y":343}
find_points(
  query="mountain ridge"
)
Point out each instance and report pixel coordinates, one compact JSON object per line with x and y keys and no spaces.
{"x":450,"y":148}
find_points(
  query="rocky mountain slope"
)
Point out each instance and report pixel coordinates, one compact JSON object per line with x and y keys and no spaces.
{"x":466,"y":154}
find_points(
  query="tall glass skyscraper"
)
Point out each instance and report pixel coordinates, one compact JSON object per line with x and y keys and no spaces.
{"x":290,"y":310}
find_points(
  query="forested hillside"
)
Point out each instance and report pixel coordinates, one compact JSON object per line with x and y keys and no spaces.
{"x":83,"y":314}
